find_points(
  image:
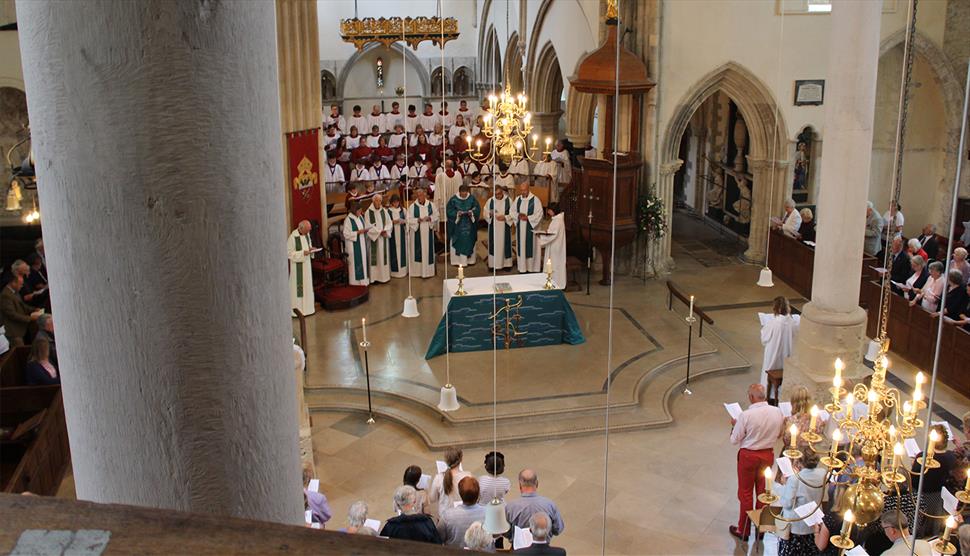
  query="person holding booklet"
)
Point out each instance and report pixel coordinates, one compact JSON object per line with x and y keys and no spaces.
{"x":300,"y":250}
{"x":778,"y":332}
{"x":355,"y":245}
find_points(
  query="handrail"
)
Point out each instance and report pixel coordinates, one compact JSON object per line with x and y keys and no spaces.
{"x":673,"y":291}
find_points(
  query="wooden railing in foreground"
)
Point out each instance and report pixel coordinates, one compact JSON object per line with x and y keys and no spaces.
{"x":673,"y":291}
{"x":134,"y":530}
{"x":912,"y":332}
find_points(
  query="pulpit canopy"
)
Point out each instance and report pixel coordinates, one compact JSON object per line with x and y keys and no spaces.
{"x":597,"y":71}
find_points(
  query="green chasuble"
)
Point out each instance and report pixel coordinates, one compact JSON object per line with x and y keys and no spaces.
{"x":463,"y":230}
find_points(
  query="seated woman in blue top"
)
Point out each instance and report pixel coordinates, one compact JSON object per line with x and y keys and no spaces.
{"x":40,"y":371}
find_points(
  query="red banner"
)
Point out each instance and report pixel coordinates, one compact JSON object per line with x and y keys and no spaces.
{"x":303,"y":161}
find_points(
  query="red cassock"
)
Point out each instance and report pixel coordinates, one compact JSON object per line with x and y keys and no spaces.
{"x":385,"y":153}
{"x":362,"y":152}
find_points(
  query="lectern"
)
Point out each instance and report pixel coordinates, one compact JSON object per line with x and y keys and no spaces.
{"x":597,"y":75}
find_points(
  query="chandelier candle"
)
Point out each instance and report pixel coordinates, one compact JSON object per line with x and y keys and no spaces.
{"x":769,"y":478}
{"x":849,"y":402}
{"x":814,"y":413}
{"x":363,"y":327}
{"x":836,"y":438}
{"x":794,"y":435}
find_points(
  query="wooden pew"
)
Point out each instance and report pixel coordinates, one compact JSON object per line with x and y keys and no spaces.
{"x":794,"y":262}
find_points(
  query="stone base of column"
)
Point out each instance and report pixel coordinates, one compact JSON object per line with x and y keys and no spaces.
{"x":306,"y":449}
{"x":822,"y":336}
{"x":755,"y":253}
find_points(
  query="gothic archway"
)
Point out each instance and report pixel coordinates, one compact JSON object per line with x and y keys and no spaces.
{"x":395,"y":50}
{"x":513,"y":65}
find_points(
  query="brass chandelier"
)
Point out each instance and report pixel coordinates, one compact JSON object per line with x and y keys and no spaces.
{"x":507,"y":125}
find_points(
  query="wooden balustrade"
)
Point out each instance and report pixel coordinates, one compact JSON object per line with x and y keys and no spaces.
{"x":794,"y":262}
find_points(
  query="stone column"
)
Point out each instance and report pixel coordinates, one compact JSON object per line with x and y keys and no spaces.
{"x":660,"y":262}
{"x":833,"y":324}
{"x":156,"y":130}
{"x":546,"y":124}
{"x":767,"y":176}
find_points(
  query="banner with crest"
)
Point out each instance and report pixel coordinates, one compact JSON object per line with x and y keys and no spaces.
{"x":304,"y":178}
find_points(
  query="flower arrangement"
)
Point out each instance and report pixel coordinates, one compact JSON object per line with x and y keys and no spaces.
{"x":651,"y":216}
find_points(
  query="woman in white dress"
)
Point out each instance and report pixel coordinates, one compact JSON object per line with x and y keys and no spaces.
{"x":444,"y":486}
{"x":778,"y":338}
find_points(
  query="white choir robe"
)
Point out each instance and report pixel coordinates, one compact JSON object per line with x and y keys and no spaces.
{"x":333,"y":178}
{"x":352,"y":141}
{"x":422,"y":256}
{"x":564,"y":174}
{"x":454,"y":131}
{"x":434,"y":139}
{"x":380,"y":175}
{"x":400,"y":239}
{"x":410,"y":124}
{"x":391,"y":120}
{"x":531,"y":207}
{"x":355,"y":245}
{"x":427,"y":122}
{"x":554,"y":247}
{"x":377,"y":120}
{"x":507,"y":180}
{"x":360,"y":122}
{"x":520,"y":170}
{"x":397,"y":172}
{"x":373,"y":141}
{"x":467,"y":114}
{"x":445,"y":188}
{"x":395,"y":140}
{"x":301,"y":275}
{"x":339,"y":121}
{"x":447,"y":120}
{"x":499,"y":232}
{"x":379,"y":243}
{"x":467,"y":169}
{"x":778,"y":338}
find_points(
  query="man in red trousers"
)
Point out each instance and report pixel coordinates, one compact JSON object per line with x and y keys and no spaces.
{"x":756,"y":430}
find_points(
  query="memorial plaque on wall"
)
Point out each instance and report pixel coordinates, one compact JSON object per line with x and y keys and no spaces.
{"x":809,"y":92}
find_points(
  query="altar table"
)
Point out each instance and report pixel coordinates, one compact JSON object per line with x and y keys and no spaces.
{"x":547,"y":318}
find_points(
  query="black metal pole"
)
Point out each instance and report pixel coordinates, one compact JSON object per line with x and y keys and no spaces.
{"x":589,"y":257}
{"x":690,"y":337}
{"x":370,"y":409}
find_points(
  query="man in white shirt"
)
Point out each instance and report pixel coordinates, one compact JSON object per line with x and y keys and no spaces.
{"x":376,"y":118}
{"x":792,"y":220}
{"x":755,"y":431}
{"x":394,"y":118}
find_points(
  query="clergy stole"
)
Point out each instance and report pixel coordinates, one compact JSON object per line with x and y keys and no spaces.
{"x":358,"y":253}
{"x":496,"y":210}
{"x":298,"y":246}
{"x":399,"y":237}
{"x":528,"y":224}
{"x":382,"y":223}
{"x":418,"y":255}
{"x":462,"y":230}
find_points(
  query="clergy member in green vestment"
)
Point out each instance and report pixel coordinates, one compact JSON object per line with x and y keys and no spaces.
{"x":498,"y":214}
{"x":422,"y":222}
{"x":355,"y":245}
{"x":299,"y":250}
{"x":463,"y":214}
{"x":527,"y":210}
{"x":378,"y":219}
{"x":399,"y":238}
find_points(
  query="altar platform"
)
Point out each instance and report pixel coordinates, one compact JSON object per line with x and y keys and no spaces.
{"x":542,"y":392}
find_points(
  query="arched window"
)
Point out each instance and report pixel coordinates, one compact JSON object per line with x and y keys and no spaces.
{"x":463,"y":82}
{"x":328,"y":85}
{"x":436,"y":82}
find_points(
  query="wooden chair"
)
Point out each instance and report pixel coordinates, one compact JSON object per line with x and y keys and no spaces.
{"x":775,"y":377}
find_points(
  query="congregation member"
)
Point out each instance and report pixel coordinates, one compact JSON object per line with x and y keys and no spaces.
{"x":778,"y":338}
{"x":801,"y":417}
{"x":956,"y":295}
{"x":356,"y":517}
{"x":463,"y":214}
{"x":553,"y":243}
{"x":917,"y":279}
{"x":562,"y":158}
{"x":40,"y":370}
{"x":399,"y":238}
{"x":959,"y":262}
{"x":412,"y":478}
{"x":527,"y":212}
{"x":422,"y":223}
{"x":755,"y":432}
{"x":444,"y":486}
{"x":914,"y":248}
{"x":335,"y":120}
{"x":929,"y":295}
{"x":454,"y":521}
{"x":873,"y":235}
{"x":379,"y":227}
{"x":790,"y":221}
{"x":899,"y":268}
{"x":355,"y":245}
{"x":806,"y":231}
{"x":520,"y":511}
{"x":896,"y":527}
{"x":410,"y":525}
{"x":35,"y":283}
{"x":300,"y":252}
{"x":45,"y":331}
{"x":927,"y":240}
{"x":540,"y":525}
{"x":477,"y":538}
{"x":319,"y":507}
{"x":498,"y":215}
{"x":27,"y":292}
{"x":935,"y":478}
{"x":357,"y":120}
{"x":804,"y":487}
{"x":394,"y":118}
{"x":896,"y":224}
{"x":493,"y":485}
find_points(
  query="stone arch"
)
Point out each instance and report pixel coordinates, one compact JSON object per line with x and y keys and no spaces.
{"x":463,"y":81}
{"x":491,"y":59}
{"x":513,"y":77}
{"x":328,"y":86}
{"x":952,"y":91}
{"x":547,"y":82}
{"x":397,"y":48}
{"x":436,"y":74}
{"x":580,"y":109}
{"x":768,"y":155}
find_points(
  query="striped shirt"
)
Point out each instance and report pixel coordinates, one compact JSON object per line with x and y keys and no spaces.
{"x":492,"y":487}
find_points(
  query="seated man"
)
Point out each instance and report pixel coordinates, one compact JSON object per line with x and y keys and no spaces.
{"x":896,"y":527}
{"x":521,"y":510}
{"x":16,"y":315}
{"x":410,"y":524}
{"x":539,"y":525}
{"x":455,"y":521}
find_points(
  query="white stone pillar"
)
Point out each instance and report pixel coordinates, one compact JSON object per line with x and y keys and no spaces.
{"x":833,"y":324}
{"x":156,"y":131}
{"x":659,"y":260}
{"x":767,"y":176}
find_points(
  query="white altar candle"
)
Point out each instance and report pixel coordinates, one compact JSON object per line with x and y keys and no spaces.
{"x":363,"y":325}
{"x":461,"y":272}
{"x":549,"y":266}
{"x":691,"y":311}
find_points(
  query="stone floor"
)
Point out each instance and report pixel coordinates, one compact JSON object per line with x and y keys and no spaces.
{"x":671,"y":489}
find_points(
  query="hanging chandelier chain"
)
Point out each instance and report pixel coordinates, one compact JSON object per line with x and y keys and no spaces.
{"x":897,"y":180}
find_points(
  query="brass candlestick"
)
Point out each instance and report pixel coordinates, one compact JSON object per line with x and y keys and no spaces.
{"x":461,"y":286}
{"x":549,"y":285}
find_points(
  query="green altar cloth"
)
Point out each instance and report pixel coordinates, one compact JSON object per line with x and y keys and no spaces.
{"x":547,"y":320}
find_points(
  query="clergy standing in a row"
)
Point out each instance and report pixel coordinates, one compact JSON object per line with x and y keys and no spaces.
{"x":527,"y":209}
{"x":498,"y":214}
{"x":553,"y":242}
{"x":379,"y":225}
{"x":422,"y":223}
{"x":355,"y":245}
{"x":399,"y":238}
{"x":446,"y":185}
{"x":300,"y":251}
{"x":463,"y":213}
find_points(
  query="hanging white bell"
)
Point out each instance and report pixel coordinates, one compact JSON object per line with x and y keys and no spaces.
{"x":495,"y":521}
{"x":410,"y":308}
{"x":449,"y":398}
{"x":764,"y":280}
